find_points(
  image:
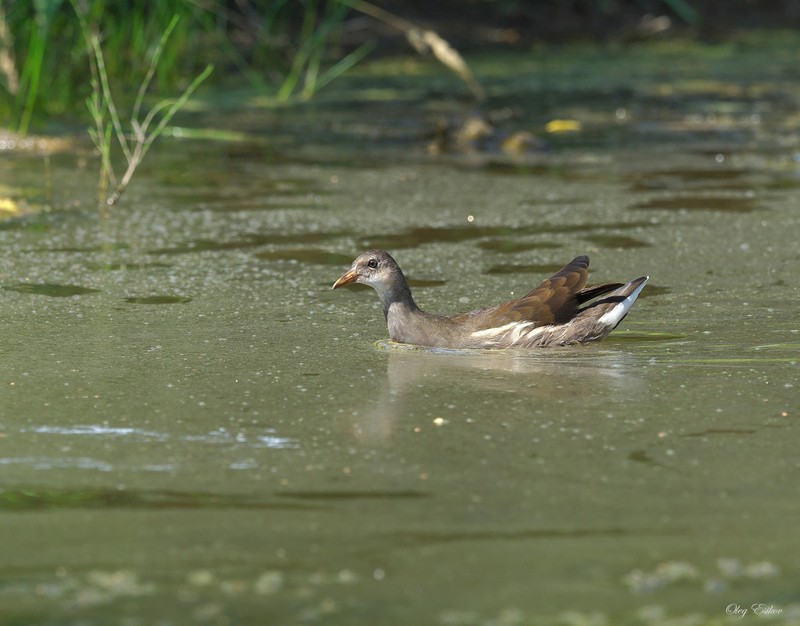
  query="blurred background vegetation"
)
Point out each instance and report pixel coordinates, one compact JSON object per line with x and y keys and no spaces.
{"x":289,"y":49}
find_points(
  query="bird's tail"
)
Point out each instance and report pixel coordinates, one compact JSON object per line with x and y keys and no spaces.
{"x":615,"y":306}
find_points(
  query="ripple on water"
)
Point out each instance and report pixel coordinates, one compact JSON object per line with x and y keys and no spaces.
{"x":264,"y":439}
{"x":534,"y":268}
{"x":251,"y":241}
{"x":721,"y":178}
{"x":315,"y":256}
{"x":52,"y":290}
{"x":164,"y":299}
{"x":617,"y":241}
{"x":222,"y":436}
{"x":510,"y":246}
{"x":414,"y":237}
{"x":95,"y":429}
{"x":88,"y":498}
{"x":58,"y":463}
{"x":123,"y":266}
{"x":724,"y":204}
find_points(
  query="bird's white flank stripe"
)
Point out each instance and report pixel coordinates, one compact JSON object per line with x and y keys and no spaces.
{"x":510,"y":333}
{"x":498,"y":330}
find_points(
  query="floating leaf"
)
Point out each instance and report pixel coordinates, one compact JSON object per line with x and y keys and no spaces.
{"x":563,"y":126}
{"x":8,"y":207}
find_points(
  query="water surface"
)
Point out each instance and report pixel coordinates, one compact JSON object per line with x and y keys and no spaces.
{"x":195,"y":429}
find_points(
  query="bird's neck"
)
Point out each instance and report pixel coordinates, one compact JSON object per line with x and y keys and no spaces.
{"x":397,"y":300}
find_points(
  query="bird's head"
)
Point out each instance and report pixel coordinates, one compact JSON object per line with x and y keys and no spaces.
{"x":375,"y":268}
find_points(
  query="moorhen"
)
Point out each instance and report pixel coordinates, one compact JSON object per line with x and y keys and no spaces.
{"x":557,"y":313}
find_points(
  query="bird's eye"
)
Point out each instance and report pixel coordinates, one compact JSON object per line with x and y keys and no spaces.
{"x":373,"y":263}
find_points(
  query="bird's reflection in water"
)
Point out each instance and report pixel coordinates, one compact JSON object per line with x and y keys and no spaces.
{"x":422,"y":380}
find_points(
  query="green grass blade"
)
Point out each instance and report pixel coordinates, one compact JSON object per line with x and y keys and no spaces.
{"x":344,"y":64}
{"x":151,"y":70}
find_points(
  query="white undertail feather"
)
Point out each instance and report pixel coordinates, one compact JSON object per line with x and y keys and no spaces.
{"x":615,"y":315}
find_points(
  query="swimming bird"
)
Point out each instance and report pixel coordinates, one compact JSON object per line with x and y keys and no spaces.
{"x":559,"y":312}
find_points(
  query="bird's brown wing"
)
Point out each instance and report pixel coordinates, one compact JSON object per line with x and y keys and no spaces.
{"x":555,"y":301}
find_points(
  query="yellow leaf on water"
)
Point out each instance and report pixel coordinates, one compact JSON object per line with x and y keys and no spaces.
{"x":563,"y":126}
{"x":7,"y":205}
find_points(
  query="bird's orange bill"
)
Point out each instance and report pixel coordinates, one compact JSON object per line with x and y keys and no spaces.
{"x":347,"y":279}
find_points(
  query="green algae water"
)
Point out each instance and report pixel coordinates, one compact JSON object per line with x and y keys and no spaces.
{"x":194,"y":429}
